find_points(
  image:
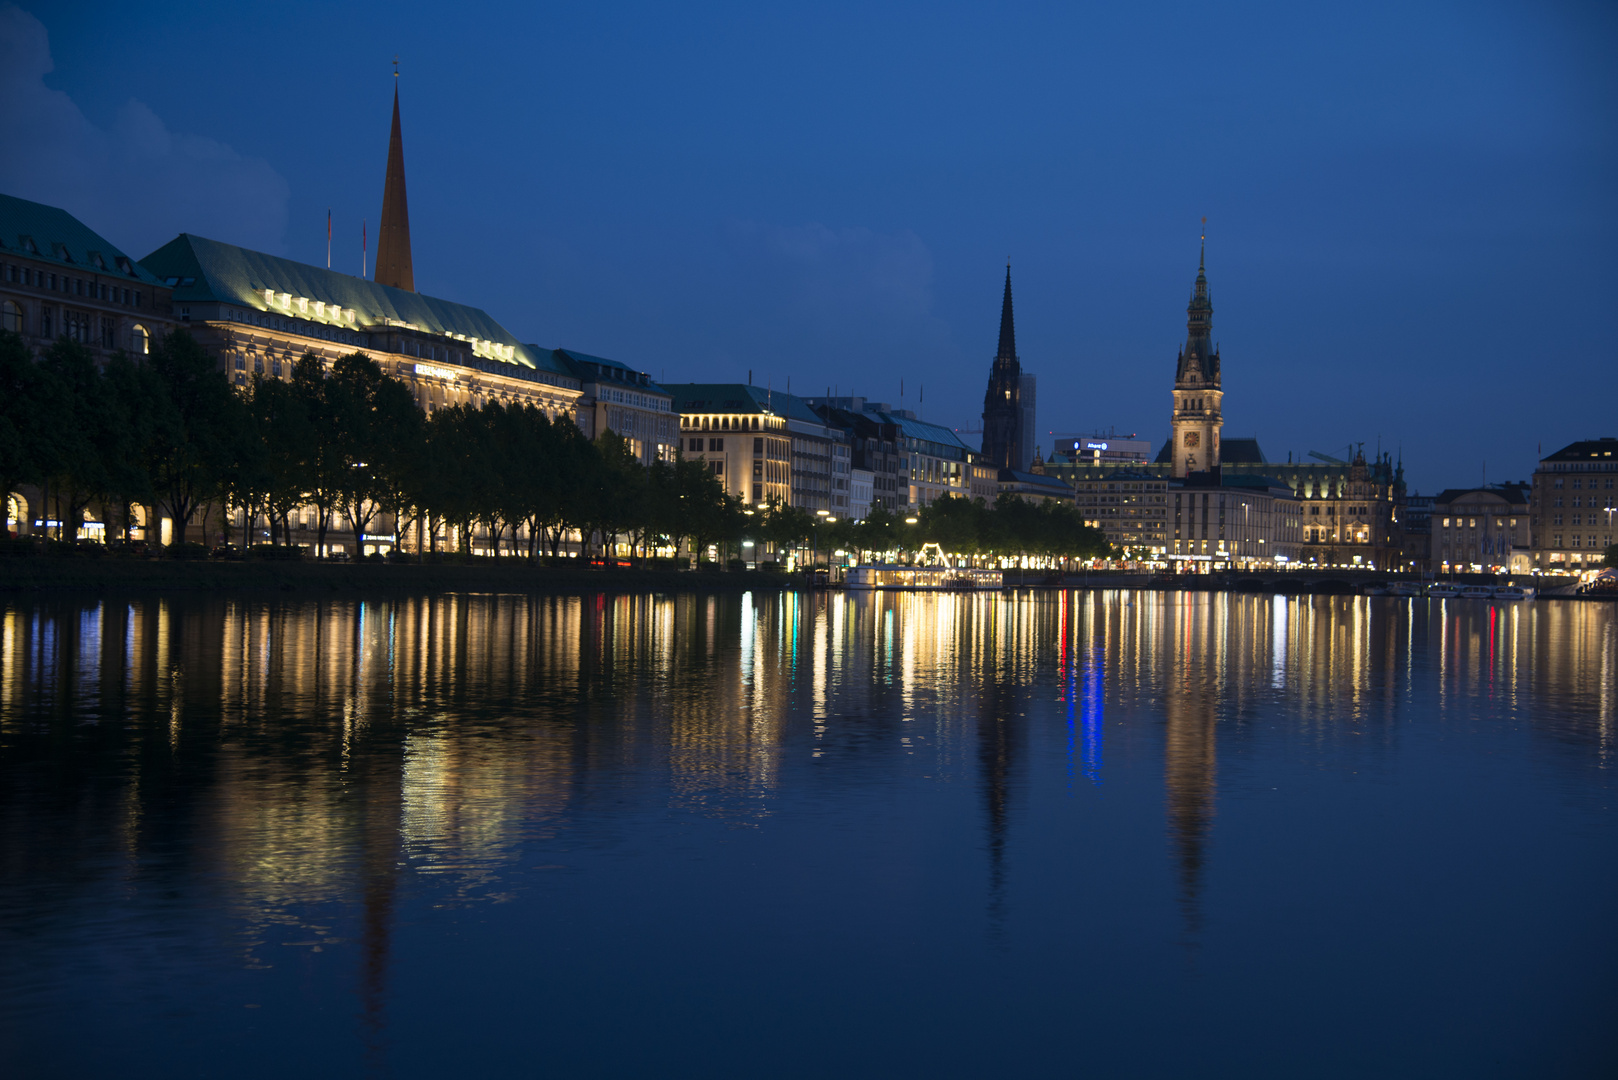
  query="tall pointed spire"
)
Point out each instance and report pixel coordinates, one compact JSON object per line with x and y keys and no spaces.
{"x":1002,"y":400}
{"x":1008,"y":332}
{"x":393,"y":263}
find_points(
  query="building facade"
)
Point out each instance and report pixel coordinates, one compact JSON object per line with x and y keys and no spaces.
{"x":615,"y":397}
{"x":1130,"y":508}
{"x":1573,"y":506}
{"x":1240,"y":522}
{"x":1101,"y":450}
{"x":1481,"y":530}
{"x":740,"y":432}
{"x":873,"y":447}
{"x":58,"y":278}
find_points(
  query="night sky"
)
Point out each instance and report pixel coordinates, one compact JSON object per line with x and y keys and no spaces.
{"x":1412,"y":209}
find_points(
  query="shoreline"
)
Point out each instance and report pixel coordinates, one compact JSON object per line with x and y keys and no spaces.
{"x":54,"y":575}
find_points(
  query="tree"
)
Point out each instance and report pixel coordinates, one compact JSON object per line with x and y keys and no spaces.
{"x":372,"y":422}
{"x":23,"y":423}
{"x":140,"y":409}
{"x":201,"y":417}
{"x":281,"y":421}
{"x":1610,"y":559}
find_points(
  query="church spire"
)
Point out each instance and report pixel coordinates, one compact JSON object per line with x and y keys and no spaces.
{"x":1002,"y":400}
{"x":393,"y":263}
{"x":1008,"y":332}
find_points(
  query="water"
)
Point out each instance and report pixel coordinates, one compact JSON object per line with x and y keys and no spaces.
{"x":1110,"y":834}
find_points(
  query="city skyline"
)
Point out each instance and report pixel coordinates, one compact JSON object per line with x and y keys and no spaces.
{"x":833,"y":284}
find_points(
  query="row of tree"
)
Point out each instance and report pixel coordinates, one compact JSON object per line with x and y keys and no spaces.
{"x":348,"y":441}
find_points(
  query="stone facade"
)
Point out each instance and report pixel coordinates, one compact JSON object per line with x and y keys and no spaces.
{"x":1574,"y":506}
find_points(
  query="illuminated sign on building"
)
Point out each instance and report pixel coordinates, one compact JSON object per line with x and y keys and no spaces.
{"x":436,"y":371}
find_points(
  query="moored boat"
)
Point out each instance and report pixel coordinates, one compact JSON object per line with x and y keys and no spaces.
{"x":925,"y":578}
{"x":1404,"y":588}
{"x":1514,"y":592}
{"x":1444,"y":589}
{"x":1477,"y":592}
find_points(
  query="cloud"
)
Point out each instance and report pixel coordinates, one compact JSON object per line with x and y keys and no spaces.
{"x":137,"y":182}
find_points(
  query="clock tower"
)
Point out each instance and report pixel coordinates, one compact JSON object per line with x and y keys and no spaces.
{"x":1197,"y":415}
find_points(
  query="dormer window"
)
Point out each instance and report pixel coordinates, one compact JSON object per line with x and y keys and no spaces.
{"x":62,"y":252}
{"x":100,"y":263}
{"x":28,"y":245}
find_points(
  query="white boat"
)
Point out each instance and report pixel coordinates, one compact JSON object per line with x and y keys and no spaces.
{"x":1477,"y":592}
{"x":928,"y":578}
{"x":1444,"y":589}
{"x":1404,"y":588}
{"x":1514,"y":592}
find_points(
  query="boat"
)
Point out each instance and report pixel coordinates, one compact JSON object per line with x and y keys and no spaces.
{"x":923,"y":578}
{"x":1375,"y":588}
{"x":1477,"y":592}
{"x":1444,"y":589}
{"x":1514,"y":592}
{"x":1404,"y":588}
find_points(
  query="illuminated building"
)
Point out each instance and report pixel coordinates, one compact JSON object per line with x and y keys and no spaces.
{"x":1349,"y":512}
{"x":874,"y":448}
{"x":1131,"y":508}
{"x":627,"y":402}
{"x":1574,"y":503}
{"x":1481,"y":530}
{"x":59,"y":278}
{"x":1198,"y":421}
{"x":1099,"y":449}
{"x":741,"y":434}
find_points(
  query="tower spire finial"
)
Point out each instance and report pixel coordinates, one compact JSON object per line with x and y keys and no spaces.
{"x":1202,"y":257}
{"x":393,"y":262}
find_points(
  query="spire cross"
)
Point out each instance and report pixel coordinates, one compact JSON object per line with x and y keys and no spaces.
{"x":396,"y":75}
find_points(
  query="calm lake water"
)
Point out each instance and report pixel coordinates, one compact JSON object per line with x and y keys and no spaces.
{"x":1101,"y":834}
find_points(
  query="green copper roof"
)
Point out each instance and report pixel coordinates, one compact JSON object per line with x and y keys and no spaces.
{"x":579,"y":363}
{"x":204,"y":271}
{"x":37,"y":231}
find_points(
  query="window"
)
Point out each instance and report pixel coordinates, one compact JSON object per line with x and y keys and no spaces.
{"x":11,"y":317}
{"x":140,"y":342}
{"x":716,"y":445}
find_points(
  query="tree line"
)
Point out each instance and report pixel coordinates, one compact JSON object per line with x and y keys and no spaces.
{"x":348,"y":442}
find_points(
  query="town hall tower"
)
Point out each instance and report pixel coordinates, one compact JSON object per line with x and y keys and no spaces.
{"x":1197,"y":415}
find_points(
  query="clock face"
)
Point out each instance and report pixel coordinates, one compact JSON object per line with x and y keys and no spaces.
{"x":1192,"y":438}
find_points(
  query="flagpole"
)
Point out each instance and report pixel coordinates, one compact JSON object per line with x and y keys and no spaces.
{"x":328,"y":238}
{"x":364,"y":265}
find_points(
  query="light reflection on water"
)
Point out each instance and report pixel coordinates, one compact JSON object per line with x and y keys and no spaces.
{"x":210,"y":802}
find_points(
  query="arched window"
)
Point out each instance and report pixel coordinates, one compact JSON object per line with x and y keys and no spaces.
{"x":140,"y":342}
{"x":11,"y":316}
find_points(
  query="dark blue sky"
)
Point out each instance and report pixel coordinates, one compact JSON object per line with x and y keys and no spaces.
{"x":1412,"y":209}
